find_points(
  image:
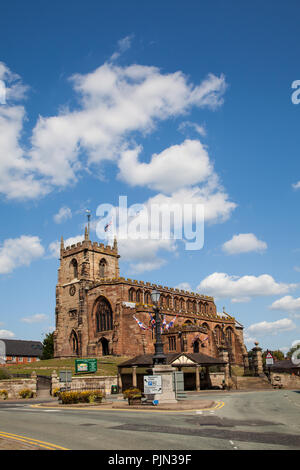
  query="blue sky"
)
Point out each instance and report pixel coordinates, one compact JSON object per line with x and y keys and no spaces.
{"x":160,"y":101}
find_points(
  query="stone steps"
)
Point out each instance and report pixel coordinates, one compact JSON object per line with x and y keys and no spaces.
{"x":252,"y":383}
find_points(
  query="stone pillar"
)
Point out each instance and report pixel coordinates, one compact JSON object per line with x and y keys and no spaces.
{"x":166,"y":373}
{"x":119,"y":381}
{"x":134,"y":380}
{"x":207,"y":376}
{"x":34,"y":382}
{"x":246,"y":361}
{"x":257,"y":360}
{"x":54,"y":381}
{"x":225,"y":357}
{"x":198,"y":378}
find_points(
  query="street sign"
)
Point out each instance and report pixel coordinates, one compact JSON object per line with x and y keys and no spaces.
{"x":85,"y":365}
{"x":269,"y":359}
{"x":152,"y":384}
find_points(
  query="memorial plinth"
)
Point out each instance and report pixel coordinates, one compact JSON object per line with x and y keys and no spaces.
{"x":167,"y":395}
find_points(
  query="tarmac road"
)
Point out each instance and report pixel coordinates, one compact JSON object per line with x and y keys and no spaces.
{"x":256,"y":420}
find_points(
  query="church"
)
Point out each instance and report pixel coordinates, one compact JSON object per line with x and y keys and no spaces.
{"x":100,"y":313}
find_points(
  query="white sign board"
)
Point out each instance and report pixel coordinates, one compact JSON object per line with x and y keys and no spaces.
{"x":152,"y":384}
{"x":2,"y":352}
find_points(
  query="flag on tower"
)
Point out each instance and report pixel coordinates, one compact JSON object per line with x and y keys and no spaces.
{"x":107,"y":226}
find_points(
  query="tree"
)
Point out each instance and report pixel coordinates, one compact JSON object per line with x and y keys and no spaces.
{"x":292,"y":350}
{"x":48,"y":346}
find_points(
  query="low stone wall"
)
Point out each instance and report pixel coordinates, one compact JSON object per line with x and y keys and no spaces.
{"x":14,"y":386}
{"x":286,"y":380}
{"x":216,"y":379}
{"x":86,"y":382}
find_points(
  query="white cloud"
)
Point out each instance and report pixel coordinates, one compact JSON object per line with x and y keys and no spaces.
{"x":174,"y":168}
{"x":137,"y":268}
{"x":54,"y":247}
{"x":188,"y":124}
{"x":115,"y":103}
{"x":63,"y":214}
{"x":216,"y":203}
{"x":287,"y":304}
{"x":242,"y":289}
{"x":6,"y":334}
{"x":143,"y":254}
{"x":271,"y":328}
{"x":296,"y":185}
{"x":184,"y":286}
{"x":39,"y":317}
{"x":15,"y":252}
{"x":244,"y":243}
{"x":123,"y":45}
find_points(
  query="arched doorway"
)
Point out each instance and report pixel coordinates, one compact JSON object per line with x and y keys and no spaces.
{"x":196,"y":346}
{"x":105,"y":348}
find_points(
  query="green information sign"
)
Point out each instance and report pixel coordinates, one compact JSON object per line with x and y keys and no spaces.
{"x":85,"y":365}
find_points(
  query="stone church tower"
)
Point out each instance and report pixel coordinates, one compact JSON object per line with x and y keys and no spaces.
{"x":82,"y":266}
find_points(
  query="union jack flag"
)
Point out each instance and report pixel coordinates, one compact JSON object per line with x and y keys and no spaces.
{"x":107,"y":226}
{"x":152,"y":320}
{"x":171,"y":323}
{"x":141,"y":325}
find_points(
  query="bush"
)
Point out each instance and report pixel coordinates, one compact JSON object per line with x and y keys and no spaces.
{"x":26,"y":393}
{"x":89,"y":396}
{"x":132,"y":393}
{"x":4,"y":394}
{"x":55,"y":392}
{"x":4,"y":374}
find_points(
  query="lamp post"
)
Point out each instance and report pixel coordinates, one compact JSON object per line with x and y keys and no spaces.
{"x":159,"y":356}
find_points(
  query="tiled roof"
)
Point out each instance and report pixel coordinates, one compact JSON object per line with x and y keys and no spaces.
{"x":147,"y":359}
{"x":18,"y":347}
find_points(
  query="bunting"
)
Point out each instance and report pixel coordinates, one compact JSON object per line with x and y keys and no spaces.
{"x":171,"y":323}
{"x":141,"y":325}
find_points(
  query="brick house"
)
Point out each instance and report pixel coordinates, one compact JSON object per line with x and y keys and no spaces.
{"x":15,"y":351}
{"x":97,"y":311}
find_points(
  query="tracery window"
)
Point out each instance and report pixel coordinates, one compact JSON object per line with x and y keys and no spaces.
{"x":218,"y":333}
{"x":229,"y":335}
{"x":172,"y":343}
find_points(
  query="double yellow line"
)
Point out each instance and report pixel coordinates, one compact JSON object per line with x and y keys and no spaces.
{"x":30,"y":441}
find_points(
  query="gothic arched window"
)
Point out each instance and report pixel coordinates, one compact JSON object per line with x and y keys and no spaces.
{"x":229,"y":335}
{"x":102,"y":266}
{"x":138,"y":295}
{"x":74,"y":268}
{"x":131,"y":295}
{"x":104,"y":317}
{"x":218,"y":333}
{"x":74,"y":342}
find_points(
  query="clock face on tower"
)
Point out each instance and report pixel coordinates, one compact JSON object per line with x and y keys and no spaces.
{"x":72,"y":290}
